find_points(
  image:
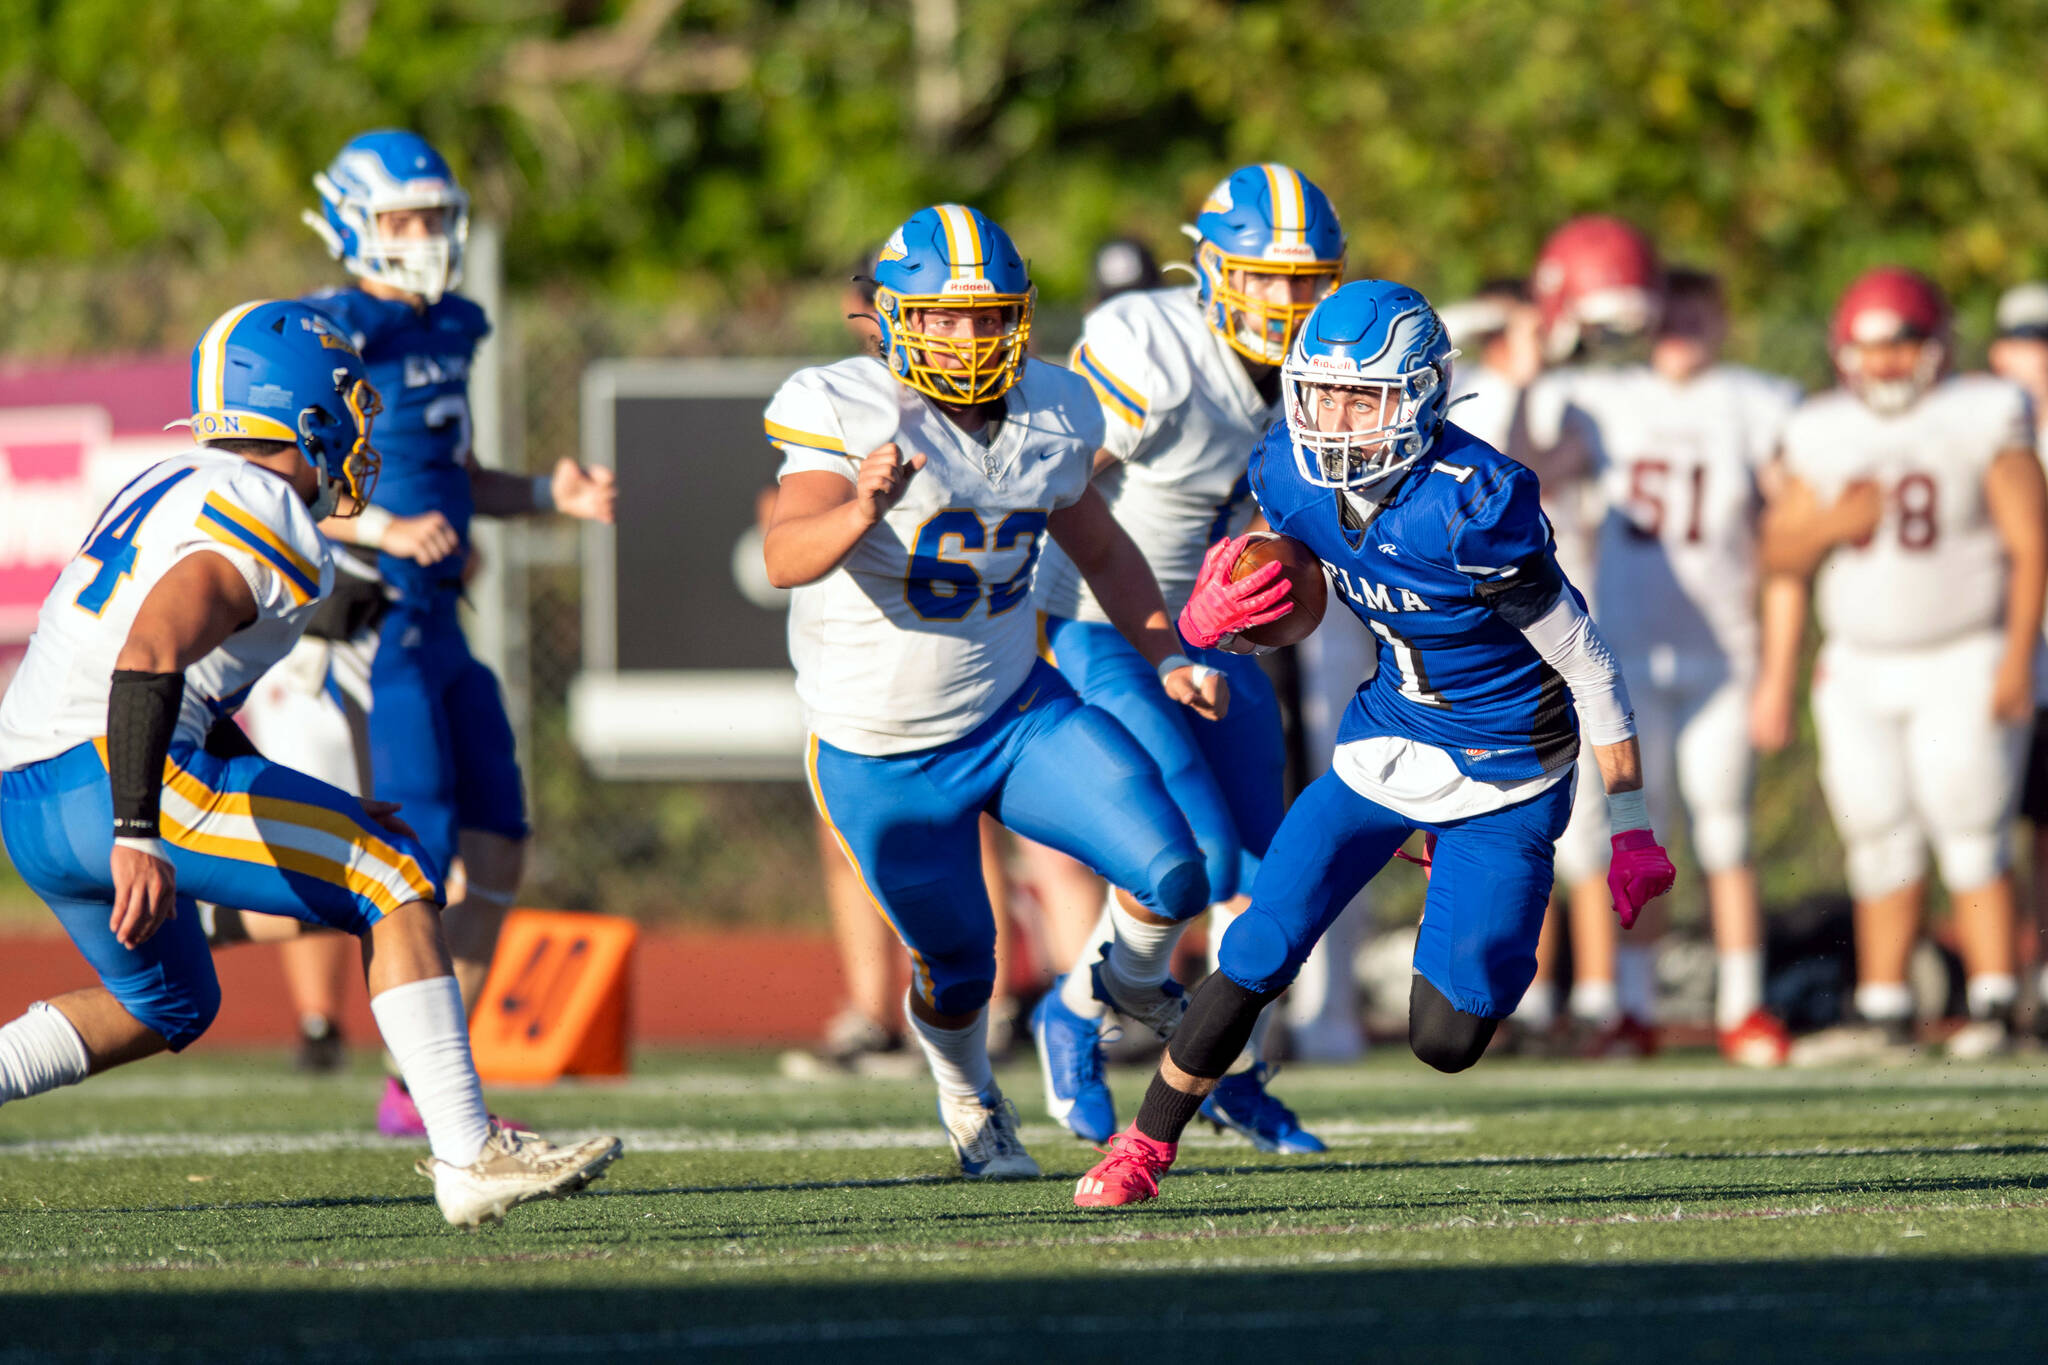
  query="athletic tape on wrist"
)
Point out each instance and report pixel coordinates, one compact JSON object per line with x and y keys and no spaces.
{"x":1627,"y":811}
{"x":372,"y":524}
{"x":543,"y":492}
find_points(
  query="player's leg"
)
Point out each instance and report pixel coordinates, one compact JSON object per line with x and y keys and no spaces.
{"x":1331,"y":843}
{"x":1865,"y":779}
{"x":1582,"y":854}
{"x":2033,"y":808}
{"x":908,"y":825}
{"x":1966,"y":769}
{"x":245,"y":831}
{"x":1715,"y":767}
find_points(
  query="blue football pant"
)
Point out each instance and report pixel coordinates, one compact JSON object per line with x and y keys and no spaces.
{"x":1487,"y":892}
{"x":440,"y":743}
{"x":244,"y":832}
{"x":1044,"y":765}
{"x":1227,"y":776}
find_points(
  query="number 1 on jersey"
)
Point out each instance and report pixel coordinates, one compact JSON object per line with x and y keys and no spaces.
{"x":113,"y":547}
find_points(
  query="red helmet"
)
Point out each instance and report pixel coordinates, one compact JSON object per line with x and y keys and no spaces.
{"x":1595,"y":272}
{"x":1890,"y":303}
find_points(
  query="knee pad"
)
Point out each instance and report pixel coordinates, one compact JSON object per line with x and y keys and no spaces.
{"x":1973,"y":859}
{"x":1441,"y":1034}
{"x":962,"y":980}
{"x":1878,"y":864}
{"x":1179,"y":886}
{"x":179,"y":1009}
{"x":1258,"y":954}
{"x":1720,"y":839}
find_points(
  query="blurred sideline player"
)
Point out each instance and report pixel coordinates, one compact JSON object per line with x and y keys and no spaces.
{"x":1189,"y":381}
{"x":1682,"y":447}
{"x":2019,"y":354}
{"x":1918,"y":500}
{"x":440,"y":743}
{"x":917,"y":489}
{"x":864,"y":1035}
{"x":1468,"y":729}
{"x":129,"y":793}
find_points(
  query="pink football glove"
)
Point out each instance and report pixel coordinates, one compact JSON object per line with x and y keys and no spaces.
{"x":1218,"y":607}
{"x":1641,"y":872}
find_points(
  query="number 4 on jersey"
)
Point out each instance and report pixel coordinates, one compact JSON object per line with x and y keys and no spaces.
{"x":113,"y":546}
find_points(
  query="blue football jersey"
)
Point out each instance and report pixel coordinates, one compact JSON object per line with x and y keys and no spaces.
{"x":1462,"y":527}
{"x":419,"y":363}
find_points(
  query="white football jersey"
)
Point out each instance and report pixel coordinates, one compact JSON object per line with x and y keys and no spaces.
{"x":1935,"y":568}
{"x":207,"y":501}
{"x":927,"y":627}
{"x":1182,"y":417}
{"x":1678,"y":467}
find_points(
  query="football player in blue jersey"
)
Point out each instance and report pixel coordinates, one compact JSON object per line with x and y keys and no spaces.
{"x":1188,"y":380}
{"x":1468,"y":730}
{"x":440,"y":744}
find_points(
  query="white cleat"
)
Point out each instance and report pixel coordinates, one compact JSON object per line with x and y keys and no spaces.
{"x":984,"y":1138}
{"x":514,"y":1167}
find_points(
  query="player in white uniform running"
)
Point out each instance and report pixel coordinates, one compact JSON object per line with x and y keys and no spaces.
{"x":1919,"y":500}
{"x":2019,"y":353}
{"x":127,"y":793}
{"x":1189,"y":381}
{"x":917,"y":488}
{"x":1681,"y":448}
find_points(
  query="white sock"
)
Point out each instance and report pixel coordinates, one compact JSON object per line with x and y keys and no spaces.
{"x":1884,"y":1001}
{"x":1738,"y":986}
{"x":1990,"y":993}
{"x":1635,"y":981}
{"x":1077,"y":991}
{"x":1538,"y":1009}
{"x":427,"y":1030}
{"x":1142,"y":952}
{"x":958,"y":1056}
{"x":1593,"y":1002}
{"x":38,"y":1052}
{"x":1221,"y":917}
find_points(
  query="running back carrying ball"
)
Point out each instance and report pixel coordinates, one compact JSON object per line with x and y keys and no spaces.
{"x":1309,"y":590}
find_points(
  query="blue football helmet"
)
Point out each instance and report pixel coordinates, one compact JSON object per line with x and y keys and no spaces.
{"x":952,"y":257}
{"x":376,"y":174}
{"x":1366,"y":385}
{"x":1265,"y":220}
{"x":279,"y":370}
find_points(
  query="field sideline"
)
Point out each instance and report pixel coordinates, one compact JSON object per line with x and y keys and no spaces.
{"x":221,"y":1208}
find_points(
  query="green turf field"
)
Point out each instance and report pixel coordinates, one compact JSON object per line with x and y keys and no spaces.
{"x":217,"y":1209}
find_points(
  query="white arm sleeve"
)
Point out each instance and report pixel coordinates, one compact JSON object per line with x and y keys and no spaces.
{"x":1570,"y":643}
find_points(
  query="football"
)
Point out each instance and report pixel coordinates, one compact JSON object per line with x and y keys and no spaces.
{"x":1309,"y":589}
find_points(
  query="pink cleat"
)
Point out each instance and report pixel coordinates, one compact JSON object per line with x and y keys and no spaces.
{"x":1128,"y":1172}
{"x":397,"y":1115}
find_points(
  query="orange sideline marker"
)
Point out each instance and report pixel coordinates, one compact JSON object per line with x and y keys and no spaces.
{"x":556,"y":1003}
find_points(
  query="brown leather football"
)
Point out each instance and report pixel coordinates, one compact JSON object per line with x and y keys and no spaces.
{"x":1309,"y":589}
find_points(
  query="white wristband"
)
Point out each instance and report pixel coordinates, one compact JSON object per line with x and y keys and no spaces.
{"x":1202,"y":672}
{"x":372,"y":524}
{"x":1627,"y":811}
{"x":153,"y":847}
{"x":543,"y":492}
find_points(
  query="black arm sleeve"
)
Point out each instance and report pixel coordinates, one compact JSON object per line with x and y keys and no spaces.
{"x":142,"y":715}
{"x":1527,"y":596}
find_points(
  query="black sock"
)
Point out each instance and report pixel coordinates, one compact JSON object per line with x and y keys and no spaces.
{"x":1166,"y":1111}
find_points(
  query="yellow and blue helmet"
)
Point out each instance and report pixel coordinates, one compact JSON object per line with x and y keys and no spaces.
{"x":953,"y":257}
{"x":280,"y":370}
{"x":1375,"y":336}
{"x":383,"y":172}
{"x":1265,"y":220}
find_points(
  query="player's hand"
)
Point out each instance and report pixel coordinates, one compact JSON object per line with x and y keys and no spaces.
{"x":1202,"y":690}
{"x":883,"y":477}
{"x":1218,"y":607}
{"x":2012,"y":691}
{"x":1854,"y":518}
{"x":385,"y":814}
{"x":424,"y":539}
{"x":1640,"y":872}
{"x":1770,"y":719}
{"x":586,"y":494}
{"x":145,"y":895}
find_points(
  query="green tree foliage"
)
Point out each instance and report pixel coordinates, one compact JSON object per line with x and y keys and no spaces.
{"x":688,"y":155}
